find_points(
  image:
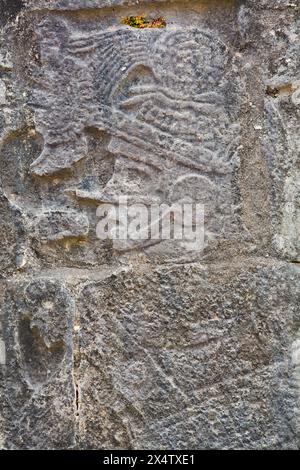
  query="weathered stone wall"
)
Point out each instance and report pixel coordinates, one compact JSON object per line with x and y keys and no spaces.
{"x":149,"y":345}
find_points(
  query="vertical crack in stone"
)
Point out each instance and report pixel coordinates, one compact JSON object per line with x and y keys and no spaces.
{"x":295,"y":357}
{"x":76,"y":377}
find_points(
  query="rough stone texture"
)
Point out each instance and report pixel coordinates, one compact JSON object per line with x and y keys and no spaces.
{"x":185,"y":354}
{"x":147,"y":345}
{"x":38,"y":326}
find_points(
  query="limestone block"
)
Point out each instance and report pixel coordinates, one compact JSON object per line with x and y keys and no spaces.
{"x":190,"y":357}
{"x":148,"y":343}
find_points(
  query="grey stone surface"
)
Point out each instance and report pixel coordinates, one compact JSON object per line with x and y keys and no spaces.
{"x":140,"y":344}
{"x":39,"y":389}
{"x":189,"y":357}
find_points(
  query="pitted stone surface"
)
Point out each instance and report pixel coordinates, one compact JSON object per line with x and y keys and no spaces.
{"x":184,"y":355}
{"x":39,"y":390}
{"x":143,"y":345}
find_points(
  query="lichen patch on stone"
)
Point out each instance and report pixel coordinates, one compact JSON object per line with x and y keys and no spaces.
{"x":143,"y":22}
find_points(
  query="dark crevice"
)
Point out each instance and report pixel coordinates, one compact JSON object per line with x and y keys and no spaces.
{"x":9,"y":10}
{"x":77,"y":399}
{"x":275,"y":91}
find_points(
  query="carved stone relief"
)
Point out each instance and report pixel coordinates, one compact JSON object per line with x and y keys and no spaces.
{"x":146,"y":344}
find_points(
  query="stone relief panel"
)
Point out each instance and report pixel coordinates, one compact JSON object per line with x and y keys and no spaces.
{"x":165,"y":105}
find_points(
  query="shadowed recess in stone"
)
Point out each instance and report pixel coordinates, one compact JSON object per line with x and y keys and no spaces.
{"x":9,"y":9}
{"x":41,"y":359}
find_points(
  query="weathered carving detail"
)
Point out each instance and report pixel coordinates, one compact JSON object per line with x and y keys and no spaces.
{"x":55,"y":225}
{"x":174,"y":344}
{"x":38,"y":336}
{"x":161,"y":96}
{"x":167,"y":99}
{"x":282,"y":148}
